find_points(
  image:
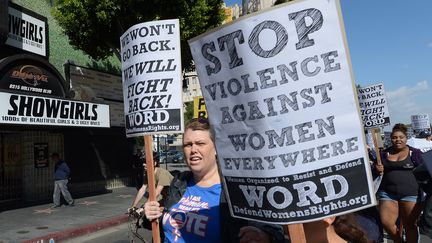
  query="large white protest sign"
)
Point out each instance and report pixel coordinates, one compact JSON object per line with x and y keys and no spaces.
{"x":280,"y":96}
{"x":373,"y":106}
{"x":151,"y":68}
{"x":38,"y":110}
{"x":420,"y":122}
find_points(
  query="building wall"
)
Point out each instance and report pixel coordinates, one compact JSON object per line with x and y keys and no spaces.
{"x":11,"y":183}
{"x":236,"y":11}
{"x":96,"y":162}
{"x":228,"y":15}
{"x":193,"y":87}
{"x":59,"y":48}
{"x":98,"y":158}
{"x":38,"y":182}
{"x":251,"y":6}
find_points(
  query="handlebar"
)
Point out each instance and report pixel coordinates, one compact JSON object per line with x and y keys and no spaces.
{"x":136,"y":212}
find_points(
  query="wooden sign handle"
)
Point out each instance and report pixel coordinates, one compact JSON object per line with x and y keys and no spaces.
{"x":375,"y":133}
{"x":148,"y":142}
{"x":296,"y":233}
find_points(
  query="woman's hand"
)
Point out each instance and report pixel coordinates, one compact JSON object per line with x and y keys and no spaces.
{"x":152,"y":210}
{"x":379,"y":168}
{"x":250,"y":234}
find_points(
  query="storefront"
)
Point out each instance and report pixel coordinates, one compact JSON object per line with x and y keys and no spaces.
{"x":38,"y":117}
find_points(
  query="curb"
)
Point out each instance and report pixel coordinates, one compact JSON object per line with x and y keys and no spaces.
{"x":82,"y":230}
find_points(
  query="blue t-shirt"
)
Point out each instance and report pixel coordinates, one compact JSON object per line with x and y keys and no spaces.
{"x":195,"y":218}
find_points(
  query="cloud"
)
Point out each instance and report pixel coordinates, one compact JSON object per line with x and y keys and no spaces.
{"x":407,"y":91}
{"x":406,"y":101}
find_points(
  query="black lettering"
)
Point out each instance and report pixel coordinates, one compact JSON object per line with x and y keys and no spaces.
{"x":281,"y":39}
{"x":86,"y":112}
{"x":25,"y":106}
{"x":228,"y":39}
{"x":38,"y":107}
{"x":64,"y":109}
{"x":217,"y":64}
{"x":303,"y":31}
{"x":14,"y":110}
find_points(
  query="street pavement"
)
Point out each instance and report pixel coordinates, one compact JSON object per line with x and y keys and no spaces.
{"x":38,"y":224}
{"x":41,"y":223}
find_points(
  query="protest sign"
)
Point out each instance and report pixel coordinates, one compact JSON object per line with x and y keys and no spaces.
{"x":151,"y":72}
{"x":373,"y":106}
{"x":199,"y":107}
{"x":280,"y":97}
{"x":420,"y":122}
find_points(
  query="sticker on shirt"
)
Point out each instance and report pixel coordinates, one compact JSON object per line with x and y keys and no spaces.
{"x":187,"y":218}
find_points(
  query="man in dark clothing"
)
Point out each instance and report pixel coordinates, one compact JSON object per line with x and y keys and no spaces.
{"x":61,"y":179}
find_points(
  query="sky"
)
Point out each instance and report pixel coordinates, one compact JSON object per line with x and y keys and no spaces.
{"x":390,"y":42}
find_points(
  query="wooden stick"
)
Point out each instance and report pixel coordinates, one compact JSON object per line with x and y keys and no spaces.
{"x":375,"y":141}
{"x":148,"y":141}
{"x":296,"y":233}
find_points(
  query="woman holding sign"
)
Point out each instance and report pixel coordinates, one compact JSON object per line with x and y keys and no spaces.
{"x":195,"y":208}
{"x":398,"y":192}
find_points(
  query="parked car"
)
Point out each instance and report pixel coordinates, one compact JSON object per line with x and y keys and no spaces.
{"x":172,"y":156}
{"x":162,"y":157}
{"x":178,"y":157}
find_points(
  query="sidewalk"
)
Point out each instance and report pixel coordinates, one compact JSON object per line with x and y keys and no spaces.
{"x":39,"y":224}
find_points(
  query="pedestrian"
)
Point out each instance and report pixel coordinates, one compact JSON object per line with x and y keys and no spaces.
{"x":339,"y":229}
{"x":61,"y":179}
{"x":197,"y":197}
{"x":162,"y":181}
{"x":399,"y":191}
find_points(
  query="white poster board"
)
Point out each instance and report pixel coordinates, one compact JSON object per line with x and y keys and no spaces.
{"x":37,"y":110}
{"x":280,"y":96}
{"x":373,"y":106}
{"x":151,"y":72}
{"x":420,"y":122}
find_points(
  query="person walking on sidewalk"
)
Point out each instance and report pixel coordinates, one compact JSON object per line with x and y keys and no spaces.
{"x":61,"y":179}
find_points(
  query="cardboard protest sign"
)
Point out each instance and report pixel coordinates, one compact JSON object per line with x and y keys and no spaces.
{"x":373,"y":106}
{"x":151,"y":66}
{"x":199,"y":107}
{"x":279,"y":93}
{"x":420,"y":122}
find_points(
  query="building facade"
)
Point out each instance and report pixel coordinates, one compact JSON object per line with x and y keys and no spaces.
{"x":41,"y":115}
{"x":251,"y":6}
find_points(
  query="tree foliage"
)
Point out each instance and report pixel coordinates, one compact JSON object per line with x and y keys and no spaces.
{"x":189,"y":112}
{"x":95,"y":26}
